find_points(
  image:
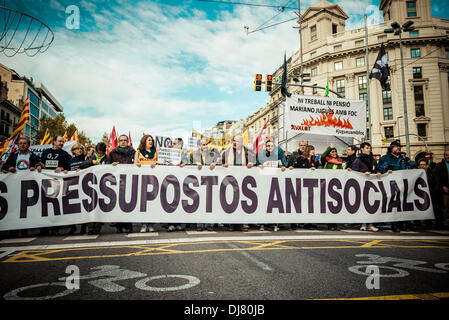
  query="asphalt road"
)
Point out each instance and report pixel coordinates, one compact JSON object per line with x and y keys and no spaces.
{"x":284,"y":265}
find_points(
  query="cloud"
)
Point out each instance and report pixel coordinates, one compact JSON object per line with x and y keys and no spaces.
{"x":150,"y":65}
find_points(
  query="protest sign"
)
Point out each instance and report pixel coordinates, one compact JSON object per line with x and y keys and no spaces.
{"x":169,"y":156}
{"x":326,"y":116}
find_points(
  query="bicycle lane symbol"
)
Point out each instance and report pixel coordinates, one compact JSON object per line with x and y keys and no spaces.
{"x":397,"y":267}
{"x":105,"y":278}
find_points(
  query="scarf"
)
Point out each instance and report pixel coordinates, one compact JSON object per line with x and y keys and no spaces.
{"x":231,"y":156}
{"x":148,"y":154}
{"x":124,"y":151}
{"x":98,"y":158}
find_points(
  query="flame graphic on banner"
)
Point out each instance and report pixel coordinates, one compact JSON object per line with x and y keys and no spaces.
{"x":327,"y":120}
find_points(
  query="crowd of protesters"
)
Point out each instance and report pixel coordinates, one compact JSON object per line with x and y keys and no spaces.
{"x":358,"y":159}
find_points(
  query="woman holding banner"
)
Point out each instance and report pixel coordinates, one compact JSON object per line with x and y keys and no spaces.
{"x":331,"y":160}
{"x":146,"y":155}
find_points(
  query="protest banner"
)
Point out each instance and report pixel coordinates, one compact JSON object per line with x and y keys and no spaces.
{"x":169,"y":156}
{"x":174,"y":194}
{"x":326,"y":116}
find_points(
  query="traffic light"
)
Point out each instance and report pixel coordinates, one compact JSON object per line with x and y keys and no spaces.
{"x":268,"y":82}
{"x":258,"y":82}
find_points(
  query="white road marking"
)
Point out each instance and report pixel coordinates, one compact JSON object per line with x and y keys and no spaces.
{"x":142,"y":235}
{"x":353,"y":231}
{"x":17,"y":240}
{"x":307,"y":231}
{"x":259,"y":263}
{"x":83,"y":237}
{"x":194,"y":233}
{"x":441,"y":231}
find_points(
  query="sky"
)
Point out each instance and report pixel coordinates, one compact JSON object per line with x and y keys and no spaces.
{"x":164,"y":66}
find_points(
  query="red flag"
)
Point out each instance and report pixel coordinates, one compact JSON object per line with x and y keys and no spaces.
{"x":112,"y":141}
{"x":130,"y":141}
{"x":258,"y":143}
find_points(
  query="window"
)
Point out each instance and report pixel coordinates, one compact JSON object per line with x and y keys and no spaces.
{"x":337,"y":47}
{"x":33,"y":98}
{"x":359,"y":43}
{"x":338,"y":65}
{"x":447,"y":53}
{"x":313,"y":33}
{"x":389,"y":132}
{"x":388,"y":107}
{"x":419,"y":100}
{"x":411,"y":8}
{"x":414,"y":33}
{"x":363,"y":96}
{"x":315,"y":90}
{"x":422,"y":129}
{"x":362,"y":83}
{"x":360,"y":62}
{"x":52,"y":113}
{"x":44,"y":106}
{"x":34,"y":110}
{"x":416,"y":53}
{"x":382,"y":38}
{"x":314,"y":72}
{"x":341,"y":87}
{"x":313,"y":54}
{"x":417,"y":73}
{"x":34,"y":123}
{"x":334,"y":28}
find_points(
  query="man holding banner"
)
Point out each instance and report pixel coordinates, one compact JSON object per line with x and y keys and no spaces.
{"x":22,"y":159}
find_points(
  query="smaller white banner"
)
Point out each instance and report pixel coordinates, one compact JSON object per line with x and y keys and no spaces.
{"x":169,"y":156}
{"x":326,"y":116}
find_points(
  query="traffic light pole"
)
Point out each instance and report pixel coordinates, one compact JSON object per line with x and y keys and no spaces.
{"x":309,"y":86}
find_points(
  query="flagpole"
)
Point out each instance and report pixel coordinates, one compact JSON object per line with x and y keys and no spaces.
{"x":368,"y":109}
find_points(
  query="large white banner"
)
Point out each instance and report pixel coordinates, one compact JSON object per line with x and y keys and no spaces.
{"x":326,"y":116}
{"x":127,"y":193}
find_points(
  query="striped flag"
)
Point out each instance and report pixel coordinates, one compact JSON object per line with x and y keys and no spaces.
{"x":129,"y":139}
{"x":74,"y":136}
{"x":112,"y":141}
{"x":65,"y":137}
{"x":47,"y":138}
{"x":7,"y":146}
{"x":259,"y":142}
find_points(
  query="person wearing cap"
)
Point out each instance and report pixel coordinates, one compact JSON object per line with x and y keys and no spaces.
{"x":394,"y":161}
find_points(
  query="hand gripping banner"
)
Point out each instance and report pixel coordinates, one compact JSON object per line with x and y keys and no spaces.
{"x":126,"y":193}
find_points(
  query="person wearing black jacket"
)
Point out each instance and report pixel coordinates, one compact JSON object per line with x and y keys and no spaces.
{"x":297,"y":159}
{"x":433,"y":188}
{"x":442,"y":194}
{"x":22,"y":159}
{"x":56,"y":158}
{"x":366,"y":163}
{"x":351,"y":152}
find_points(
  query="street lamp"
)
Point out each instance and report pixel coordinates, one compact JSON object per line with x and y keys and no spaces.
{"x":397,"y":30}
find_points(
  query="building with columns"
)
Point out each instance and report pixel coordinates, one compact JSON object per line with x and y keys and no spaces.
{"x":333,"y":53}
